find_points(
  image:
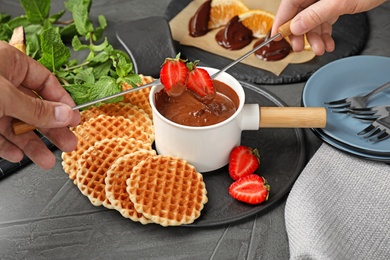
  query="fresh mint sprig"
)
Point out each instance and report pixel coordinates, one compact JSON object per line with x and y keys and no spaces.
{"x":104,"y":69}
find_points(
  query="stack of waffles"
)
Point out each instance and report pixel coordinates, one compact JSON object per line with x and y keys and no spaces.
{"x":115,"y":166}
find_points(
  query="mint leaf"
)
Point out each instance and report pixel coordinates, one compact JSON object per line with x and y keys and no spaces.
{"x":98,"y":33}
{"x":5,"y":32}
{"x":33,"y":47}
{"x":4,"y":17}
{"x":101,"y":57}
{"x":102,"y":69}
{"x":85,"y":77}
{"x":134,"y":80}
{"x":82,"y":93}
{"x":79,"y":93}
{"x":68,"y":32}
{"x":123,"y":67}
{"x":54,"y":52}
{"x":18,"y":21}
{"x":55,"y":17}
{"x":80,"y":15}
{"x":72,"y":4}
{"x":36,"y":10}
{"x":105,"y":86}
{"x":77,"y":45}
{"x":117,"y":53}
{"x":99,"y":47}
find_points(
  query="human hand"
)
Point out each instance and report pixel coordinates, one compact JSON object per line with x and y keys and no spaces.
{"x":315,"y":18}
{"x":19,"y":77}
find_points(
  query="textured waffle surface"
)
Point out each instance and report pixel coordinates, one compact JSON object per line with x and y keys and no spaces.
{"x":115,"y":181}
{"x":130,"y":111}
{"x":95,"y":162}
{"x":140,"y":98}
{"x":99,"y":128}
{"x":167,"y":190}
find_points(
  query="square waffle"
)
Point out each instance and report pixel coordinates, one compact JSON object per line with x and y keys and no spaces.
{"x":167,"y":190}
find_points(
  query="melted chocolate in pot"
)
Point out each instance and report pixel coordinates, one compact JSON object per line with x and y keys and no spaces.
{"x":187,"y":110}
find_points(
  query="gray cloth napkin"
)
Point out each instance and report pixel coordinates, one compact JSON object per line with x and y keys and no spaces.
{"x":339,"y":208}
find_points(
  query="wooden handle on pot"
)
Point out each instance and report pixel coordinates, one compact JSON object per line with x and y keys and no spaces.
{"x":292,"y":117}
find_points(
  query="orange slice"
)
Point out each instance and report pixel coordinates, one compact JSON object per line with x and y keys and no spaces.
{"x":258,"y":21}
{"x":223,"y":10}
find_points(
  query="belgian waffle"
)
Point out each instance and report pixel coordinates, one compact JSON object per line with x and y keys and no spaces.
{"x":115,"y":181}
{"x":95,"y":162}
{"x":167,"y":190}
{"x":99,"y":128}
{"x":140,"y":98}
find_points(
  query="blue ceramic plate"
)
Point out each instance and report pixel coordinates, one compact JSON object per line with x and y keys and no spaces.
{"x":344,"y":78}
{"x":351,"y":150}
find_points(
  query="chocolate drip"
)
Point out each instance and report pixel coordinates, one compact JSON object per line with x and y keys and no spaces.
{"x":234,"y":36}
{"x":273,"y":51}
{"x":198,"y":25}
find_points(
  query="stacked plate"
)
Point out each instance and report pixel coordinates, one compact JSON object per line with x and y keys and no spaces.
{"x":344,"y":78}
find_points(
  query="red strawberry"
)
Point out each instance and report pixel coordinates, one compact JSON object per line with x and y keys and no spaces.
{"x":173,"y":75}
{"x":199,"y":82}
{"x":251,"y":189}
{"x":243,"y":161}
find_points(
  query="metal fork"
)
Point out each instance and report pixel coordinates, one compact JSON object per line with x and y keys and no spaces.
{"x":378,"y":130}
{"x":369,"y":113}
{"x":343,"y":105}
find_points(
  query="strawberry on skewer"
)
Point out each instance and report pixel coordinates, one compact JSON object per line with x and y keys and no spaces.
{"x":178,"y":75}
{"x":173,"y":75}
{"x":199,"y":82}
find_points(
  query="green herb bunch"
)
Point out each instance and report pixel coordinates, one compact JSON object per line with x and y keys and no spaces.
{"x":104,"y":70}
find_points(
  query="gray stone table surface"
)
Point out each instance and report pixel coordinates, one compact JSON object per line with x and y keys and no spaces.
{"x":44,"y":216}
